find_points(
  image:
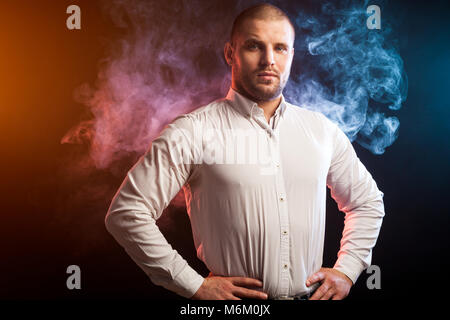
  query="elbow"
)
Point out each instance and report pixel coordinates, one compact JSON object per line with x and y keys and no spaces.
{"x":111,"y":222}
{"x":377,"y":205}
{"x":373,"y":208}
{"x":119,"y":220}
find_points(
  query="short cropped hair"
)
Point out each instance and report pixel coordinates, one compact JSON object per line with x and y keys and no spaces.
{"x":263,"y":11}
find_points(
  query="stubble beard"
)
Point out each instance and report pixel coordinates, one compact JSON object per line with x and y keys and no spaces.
{"x":257,"y":91}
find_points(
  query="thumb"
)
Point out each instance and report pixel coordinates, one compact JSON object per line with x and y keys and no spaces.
{"x":316,"y":277}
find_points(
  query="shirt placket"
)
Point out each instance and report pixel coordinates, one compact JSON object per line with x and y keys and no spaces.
{"x":283,"y":216}
{"x":284,"y":267}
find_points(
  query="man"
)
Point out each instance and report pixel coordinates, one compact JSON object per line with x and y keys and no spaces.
{"x":258,"y":224}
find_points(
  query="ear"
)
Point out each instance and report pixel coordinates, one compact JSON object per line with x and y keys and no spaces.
{"x":228,"y":52}
{"x":292,"y":55}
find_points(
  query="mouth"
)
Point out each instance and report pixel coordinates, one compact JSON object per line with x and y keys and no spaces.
{"x":267,"y":76}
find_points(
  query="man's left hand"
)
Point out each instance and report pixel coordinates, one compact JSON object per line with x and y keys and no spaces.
{"x":334,"y":284}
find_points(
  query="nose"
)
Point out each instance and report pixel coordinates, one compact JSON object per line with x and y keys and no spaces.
{"x":267,"y":58}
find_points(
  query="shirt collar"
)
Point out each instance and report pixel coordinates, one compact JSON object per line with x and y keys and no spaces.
{"x":249,"y":107}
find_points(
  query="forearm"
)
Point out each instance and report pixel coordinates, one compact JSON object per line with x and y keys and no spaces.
{"x":361,"y":230}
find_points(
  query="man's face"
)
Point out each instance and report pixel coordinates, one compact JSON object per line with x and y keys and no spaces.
{"x":261,"y":58}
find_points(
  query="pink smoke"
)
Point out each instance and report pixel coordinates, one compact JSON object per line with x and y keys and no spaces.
{"x":168,"y":62}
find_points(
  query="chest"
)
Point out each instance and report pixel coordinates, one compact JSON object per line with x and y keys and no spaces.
{"x":235,"y":160}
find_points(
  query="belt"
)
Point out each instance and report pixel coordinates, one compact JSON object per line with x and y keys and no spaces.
{"x":305,"y":296}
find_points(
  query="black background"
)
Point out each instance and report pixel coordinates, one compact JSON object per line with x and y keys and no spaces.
{"x":48,"y":222}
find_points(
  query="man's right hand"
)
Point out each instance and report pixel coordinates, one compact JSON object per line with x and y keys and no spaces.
{"x":229,"y":288}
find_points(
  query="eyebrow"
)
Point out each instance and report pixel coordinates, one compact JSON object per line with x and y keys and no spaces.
{"x":252,"y":40}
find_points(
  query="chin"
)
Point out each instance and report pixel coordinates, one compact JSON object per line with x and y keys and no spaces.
{"x":268,"y":91}
{"x":264,"y":95}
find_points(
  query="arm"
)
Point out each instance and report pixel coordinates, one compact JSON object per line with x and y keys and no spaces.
{"x":358,"y":196}
{"x":146,"y":191}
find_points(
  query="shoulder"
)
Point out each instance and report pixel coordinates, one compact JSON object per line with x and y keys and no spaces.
{"x":191,"y":124}
{"x":202,"y":114}
{"x":309,"y":118}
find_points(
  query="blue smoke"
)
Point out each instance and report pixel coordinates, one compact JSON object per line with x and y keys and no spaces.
{"x":351,"y":74}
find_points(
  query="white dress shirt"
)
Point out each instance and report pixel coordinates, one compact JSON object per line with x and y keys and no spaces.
{"x":255,"y":194}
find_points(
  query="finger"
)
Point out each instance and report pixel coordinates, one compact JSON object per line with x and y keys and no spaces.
{"x":328,"y":295}
{"x":316,"y":277}
{"x":248,"y":293}
{"x":319,"y":292}
{"x":242,"y":281}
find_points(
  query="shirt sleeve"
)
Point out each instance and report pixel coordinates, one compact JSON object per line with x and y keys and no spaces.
{"x":146,"y":191}
{"x":358,"y":196}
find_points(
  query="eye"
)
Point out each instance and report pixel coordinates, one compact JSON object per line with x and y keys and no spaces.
{"x":281,"y":49}
{"x":252,"y":46}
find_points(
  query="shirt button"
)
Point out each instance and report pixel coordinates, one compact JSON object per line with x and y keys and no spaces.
{"x":281,"y":198}
{"x":285,"y":266}
{"x":285,"y":232}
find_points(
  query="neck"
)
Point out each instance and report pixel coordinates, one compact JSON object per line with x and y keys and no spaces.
{"x":269,"y":107}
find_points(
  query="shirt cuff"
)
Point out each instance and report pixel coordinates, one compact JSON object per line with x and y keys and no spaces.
{"x":349,"y":266}
{"x":187,"y":282}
